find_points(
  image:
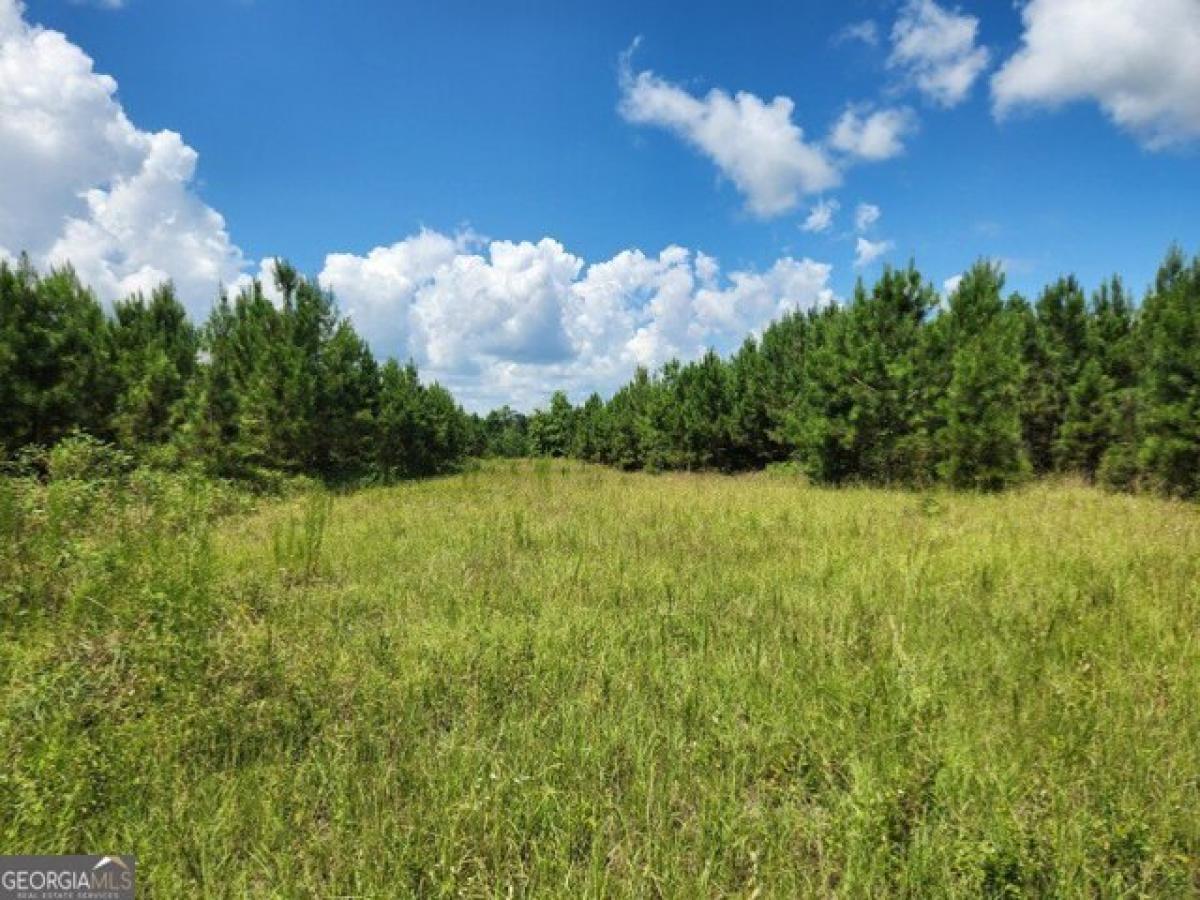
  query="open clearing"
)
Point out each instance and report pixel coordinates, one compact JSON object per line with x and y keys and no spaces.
{"x":550,"y":678}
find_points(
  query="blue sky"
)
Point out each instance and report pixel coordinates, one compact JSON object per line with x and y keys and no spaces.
{"x":341,"y":128}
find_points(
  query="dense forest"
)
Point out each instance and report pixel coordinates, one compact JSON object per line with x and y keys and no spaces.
{"x":977,"y":390}
{"x":259,"y":388}
{"x":899,"y":386}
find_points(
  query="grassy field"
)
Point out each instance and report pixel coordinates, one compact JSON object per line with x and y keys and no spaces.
{"x":551,"y":679}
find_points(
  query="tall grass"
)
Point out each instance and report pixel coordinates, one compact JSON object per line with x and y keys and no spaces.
{"x":556,"y":679}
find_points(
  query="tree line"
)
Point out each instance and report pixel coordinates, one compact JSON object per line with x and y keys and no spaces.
{"x":979,"y":390}
{"x":899,"y":386}
{"x":259,"y":387}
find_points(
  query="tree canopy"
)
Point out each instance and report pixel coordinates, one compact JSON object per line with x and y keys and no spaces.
{"x":899,"y":385}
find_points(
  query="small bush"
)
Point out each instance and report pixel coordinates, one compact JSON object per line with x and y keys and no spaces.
{"x":81,"y":457}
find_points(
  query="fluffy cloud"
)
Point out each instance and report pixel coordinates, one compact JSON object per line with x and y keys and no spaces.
{"x":508,"y":305}
{"x":866,"y":215}
{"x":80,"y":182}
{"x":820,"y":217}
{"x":866,"y":252}
{"x":756,"y":144}
{"x":497,"y":322}
{"x":873,"y":136}
{"x":753,"y":142}
{"x":377,"y":290}
{"x":935,"y":48}
{"x":950,"y":285}
{"x":1139,"y":59}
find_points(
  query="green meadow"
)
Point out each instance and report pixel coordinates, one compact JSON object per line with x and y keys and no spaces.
{"x":549,"y":678}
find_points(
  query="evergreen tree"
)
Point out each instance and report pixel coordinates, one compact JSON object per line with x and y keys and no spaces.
{"x":819,"y":421}
{"x":444,"y":429}
{"x":886,"y":377}
{"x":627,"y":415}
{"x":1041,"y":394}
{"x":399,"y":439}
{"x":1099,"y":421}
{"x":591,"y":430}
{"x":505,"y":433}
{"x":55,"y":367}
{"x":1054,"y":356}
{"x":209,"y":432}
{"x":154,"y":350}
{"x":1088,"y":426}
{"x":703,"y":407}
{"x":552,"y":431}
{"x":661,"y":423}
{"x":749,"y":424}
{"x":347,"y":388}
{"x":264,"y":370}
{"x":982,"y":436}
{"x":418,"y":430}
{"x":1170,"y":390}
{"x":781,"y":352}
{"x":1113,"y":342}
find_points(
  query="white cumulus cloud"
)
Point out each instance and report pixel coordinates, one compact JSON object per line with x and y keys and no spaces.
{"x":1138,"y":59}
{"x":936,"y":48}
{"x":872,"y":135}
{"x":506,"y":305}
{"x":499,"y":322}
{"x":377,"y":289}
{"x":753,"y":142}
{"x":820,"y":217}
{"x":866,"y":252}
{"x":80,"y":182}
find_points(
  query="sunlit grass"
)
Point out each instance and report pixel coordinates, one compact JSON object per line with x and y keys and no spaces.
{"x":547,"y":678}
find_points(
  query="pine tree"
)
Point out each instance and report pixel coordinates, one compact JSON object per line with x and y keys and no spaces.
{"x":444,"y":429}
{"x":818,"y":423}
{"x":1100,"y":410}
{"x":264,"y":365}
{"x":982,"y":437}
{"x":1041,"y":389}
{"x":346,"y":401}
{"x":782,"y":351}
{"x":505,"y":433}
{"x":627,"y":412}
{"x":703,"y":406}
{"x":1112,"y":341}
{"x":749,"y":422}
{"x":208,"y":434}
{"x":661,"y":423}
{"x":55,"y":365}
{"x":552,"y":431}
{"x":1088,"y":426}
{"x":886,"y":377}
{"x":1170,"y":391}
{"x":591,"y":430}
{"x":399,"y":437}
{"x":1054,"y":354}
{"x":154,"y":350}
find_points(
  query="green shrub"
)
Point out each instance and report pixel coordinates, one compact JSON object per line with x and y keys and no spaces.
{"x":81,"y":457}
